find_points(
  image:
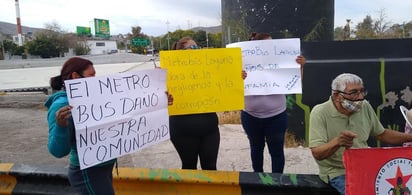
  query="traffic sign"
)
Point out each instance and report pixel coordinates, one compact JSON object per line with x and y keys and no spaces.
{"x":140,"y":42}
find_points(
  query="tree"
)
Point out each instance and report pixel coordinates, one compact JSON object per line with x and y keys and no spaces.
{"x":339,"y":33}
{"x":215,"y":40}
{"x":43,"y":46}
{"x":365,"y":29}
{"x":200,"y":38}
{"x":381,"y":25}
{"x":81,"y":48}
{"x":137,"y":33}
{"x":12,"y":48}
{"x":51,"y":42}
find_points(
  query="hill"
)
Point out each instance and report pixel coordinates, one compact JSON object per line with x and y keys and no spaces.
{"x":212,"y":29}
{"x":11,"y":29}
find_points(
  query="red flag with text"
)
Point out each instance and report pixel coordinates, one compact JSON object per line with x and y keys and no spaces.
{"x":377,"y":171}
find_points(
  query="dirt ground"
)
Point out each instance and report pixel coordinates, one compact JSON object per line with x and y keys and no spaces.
{"x":24,"y":135}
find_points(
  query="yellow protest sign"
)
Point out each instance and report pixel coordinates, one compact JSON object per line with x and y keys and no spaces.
{"x":206,"y":80}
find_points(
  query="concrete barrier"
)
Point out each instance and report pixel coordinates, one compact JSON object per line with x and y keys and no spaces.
{"x":25,"y":179}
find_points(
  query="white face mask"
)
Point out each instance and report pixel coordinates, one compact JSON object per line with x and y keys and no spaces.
{"x":352,"y":106}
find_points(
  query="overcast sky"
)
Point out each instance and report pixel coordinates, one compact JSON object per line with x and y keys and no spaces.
{"x":157,"y":16}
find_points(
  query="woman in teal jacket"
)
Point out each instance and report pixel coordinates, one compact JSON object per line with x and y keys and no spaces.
{"x":93,"y":180}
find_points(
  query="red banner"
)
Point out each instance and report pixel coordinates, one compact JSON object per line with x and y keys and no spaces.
{"x":378,"y":171}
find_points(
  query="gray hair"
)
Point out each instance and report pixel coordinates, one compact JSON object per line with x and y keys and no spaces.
{"x":340,"y":82}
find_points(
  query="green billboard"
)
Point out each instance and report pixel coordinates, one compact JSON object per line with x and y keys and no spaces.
{"x":83,"y":31}
{"x":102,"y":28}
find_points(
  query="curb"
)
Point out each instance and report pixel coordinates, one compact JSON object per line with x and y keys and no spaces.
{"x":25,"y":179}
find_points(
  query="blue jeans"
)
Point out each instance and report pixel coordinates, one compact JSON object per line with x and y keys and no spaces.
{"x":338,"y":183}
{"x":270,"y":130}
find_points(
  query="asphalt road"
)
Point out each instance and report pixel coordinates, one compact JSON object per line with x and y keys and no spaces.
{"x":96,"y":59}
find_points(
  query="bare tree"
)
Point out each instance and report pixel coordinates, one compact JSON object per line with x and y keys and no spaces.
{"x":381,"y":25}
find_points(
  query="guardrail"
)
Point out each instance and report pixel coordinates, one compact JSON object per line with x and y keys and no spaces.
{"x":25,"y":179}
{"x":45,"y":90}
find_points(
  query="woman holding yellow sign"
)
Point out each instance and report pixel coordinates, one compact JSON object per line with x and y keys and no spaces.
{"x":195,"y":135}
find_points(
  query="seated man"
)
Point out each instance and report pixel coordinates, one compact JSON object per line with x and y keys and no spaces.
{"x":346,"y":120}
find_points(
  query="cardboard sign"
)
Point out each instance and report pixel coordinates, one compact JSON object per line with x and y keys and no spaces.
{"x":271,"y":66}
{"x":205,"y":80}
{"x":118,"y":114}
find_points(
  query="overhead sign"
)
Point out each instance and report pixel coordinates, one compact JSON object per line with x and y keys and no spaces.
{"x":140,"y":42}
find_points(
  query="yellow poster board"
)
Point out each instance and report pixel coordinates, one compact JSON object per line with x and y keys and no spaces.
{"x":205,"y":80}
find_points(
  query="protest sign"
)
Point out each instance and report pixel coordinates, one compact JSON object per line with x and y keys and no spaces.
{"x":118,"y":114}
{"x":271,"y":66}
{"x":378,"y":170}
{"x":205,"y":80}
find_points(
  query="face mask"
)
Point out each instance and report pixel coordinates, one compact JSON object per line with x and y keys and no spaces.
{"x":352,"y":106}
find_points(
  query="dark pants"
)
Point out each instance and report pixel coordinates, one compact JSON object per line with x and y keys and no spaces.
{"x":270,"y":130}
{"x":196,"y":136}
{"x":93,"y":180}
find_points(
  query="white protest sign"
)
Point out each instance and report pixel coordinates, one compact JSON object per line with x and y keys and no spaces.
{"x":118,"y":114}
{"x":271,"y":66}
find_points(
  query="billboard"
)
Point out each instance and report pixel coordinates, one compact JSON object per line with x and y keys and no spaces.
{"x":83,"y":31}
{"x":102,"y":28}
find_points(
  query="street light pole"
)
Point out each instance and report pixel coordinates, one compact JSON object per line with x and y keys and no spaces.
{"x":207,"y":40}
{"x":168,"y":36}
{"x":403,"y":30}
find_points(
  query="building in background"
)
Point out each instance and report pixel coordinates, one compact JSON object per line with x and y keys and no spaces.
{"x":98,"y":47}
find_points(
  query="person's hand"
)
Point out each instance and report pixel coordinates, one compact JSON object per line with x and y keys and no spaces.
{"x":244,"y":74}
{"x":345,"y":138}
{"x":301,"y":60}
{"x":62,"y":116}
{"x":169,"y":98}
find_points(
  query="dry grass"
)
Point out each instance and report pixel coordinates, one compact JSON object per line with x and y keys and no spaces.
{"x":233,"y":117}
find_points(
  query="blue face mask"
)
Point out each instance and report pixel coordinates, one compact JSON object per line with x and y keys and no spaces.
{"x":193,"y":47}
{"x":352,"y":106}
